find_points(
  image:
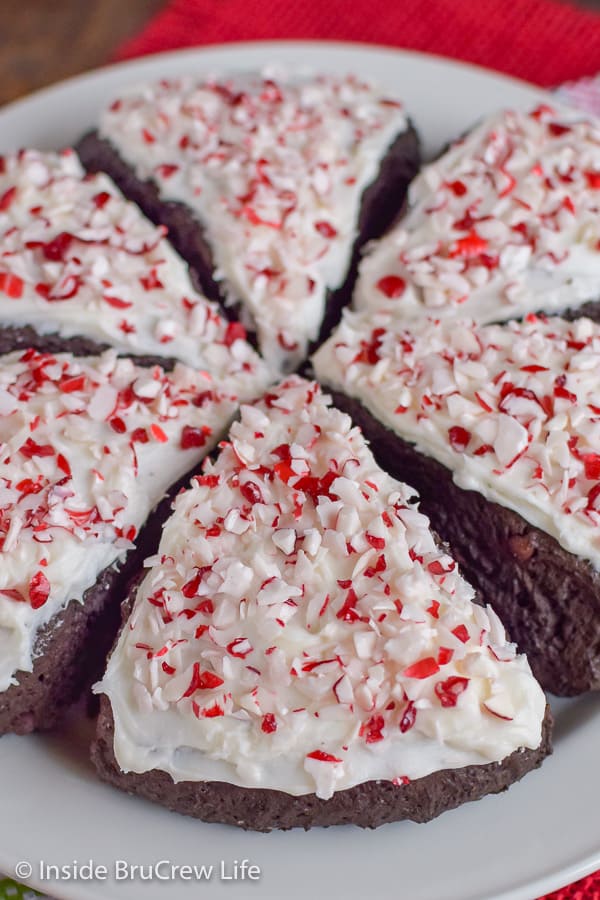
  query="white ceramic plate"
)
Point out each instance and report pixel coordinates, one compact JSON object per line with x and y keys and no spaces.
{"x":541,"y":834}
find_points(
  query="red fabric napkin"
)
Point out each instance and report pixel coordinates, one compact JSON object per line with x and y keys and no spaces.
{"x":542,"y":41}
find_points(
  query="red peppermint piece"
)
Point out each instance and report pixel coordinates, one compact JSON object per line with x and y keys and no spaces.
{"x":101,"y":199}
{"x":158,"y":434}
{"x":408,"y":718}
{"x":269,"y":723}
{"x":56,"y":249}
{"x":434,"y":609}
{"x":116,"y":302}
{"x":7,"y":198}
{"x":423,"y":668}
{"x":444,"y":656}
{"x":391,"y":286}
{"x":348,"y":612}
{"x":151,"y":282}
{"x":39,"y":590}
{"x":235,"y":332}
{"x":31,"y":449}
{"x":166,"y":170}
{"x":11,"y":285}
{"x":202,"y":681}
{"x":372,"y":731}
{"x":325,"y":229}
{"x":470,"y":246}
{"x":207,"y":712}
{"x":140,"y":436}
{"x":316,"y":487}
{"x":378,"y":543}
{"x":72,"y":383}
{"x":448,"y":691}
{"x":591,"y":462}
{"x":206,"y":606}
{"x":437,"y":568}
{"x":461,"y":633}
{"x":251,"y":492}
{"x":369,"y":352}
{"x":557,"y":130}
{"x":63,"y":464}
{"x":194,"y":437}
{"x":190,"y":588}
{"x":240,"y":647}
{"x":458,"y":188}
{"x":321,"y":756}
{"x":593,"y":180}
{"x":459,"y":438}
{"x":13,"y":594}
{"x":210,"y":481}
{"x":117,"y":424}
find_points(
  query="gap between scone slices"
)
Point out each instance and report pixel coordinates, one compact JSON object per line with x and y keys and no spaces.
{"x":88,"y":447}
{"x":82,"y":269}
{"x":269,"y":183}
{"x":498,"y":428}
{"x":505,"y":223}
{"x":302,"y":652}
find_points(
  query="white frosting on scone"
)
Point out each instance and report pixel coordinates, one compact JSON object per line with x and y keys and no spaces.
{"x":299,"y":629}
{"x":87,"y":448}
{"x":512,"y":410}
{"x":77,"y":259}
{"x":506,"y":222}
{"x":274,"y":167}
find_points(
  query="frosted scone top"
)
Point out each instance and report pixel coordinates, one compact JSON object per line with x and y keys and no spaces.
{"x":77,"y":259}
{"x":512,"y":410}
{"x":506,"y":222}
{"x":274,"y":166}
{"x":87,"y":448}
{"x":300,"y":630}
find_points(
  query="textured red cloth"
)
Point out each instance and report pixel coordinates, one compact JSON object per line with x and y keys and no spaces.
{"x":543,"y":41}
{"x":539,"y":40}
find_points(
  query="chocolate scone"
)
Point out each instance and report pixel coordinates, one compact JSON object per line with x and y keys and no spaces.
{"x":498,"y":428}
{"x":82,"y":270}
{"x":302,"y":652}
{"x":505,"y":223}
{"x":367,"y":805}
{"x":88,"y":447}
{"x":269,"y":188}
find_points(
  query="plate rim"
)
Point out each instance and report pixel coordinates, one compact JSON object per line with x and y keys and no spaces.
{"x":163,"y":56}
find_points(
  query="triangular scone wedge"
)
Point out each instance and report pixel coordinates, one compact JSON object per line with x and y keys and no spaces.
{"x":498,"y":428}
{"x":303,"y":652}
{"x":505,"y":223}
{"x":81,"y":269}
{"x":269,"y":184}
{"x":88,"y":447}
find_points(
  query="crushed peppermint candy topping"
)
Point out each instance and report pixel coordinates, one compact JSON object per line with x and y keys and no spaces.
{"x":88,"y":446}
{"x":77,"y":258}
{"x":275,"y":167}
{"x":316,"y":635}
{"x":512,"y":410}
{"x":506,"y":222}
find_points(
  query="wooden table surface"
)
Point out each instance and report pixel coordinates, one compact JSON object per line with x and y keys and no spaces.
{"x":42,"y":41}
